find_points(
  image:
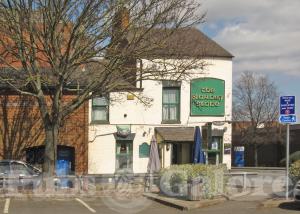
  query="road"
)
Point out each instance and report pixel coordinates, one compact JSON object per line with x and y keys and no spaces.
{"x":104,"y":205}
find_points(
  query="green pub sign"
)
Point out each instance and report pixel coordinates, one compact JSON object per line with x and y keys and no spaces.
{"x":207,"y":97}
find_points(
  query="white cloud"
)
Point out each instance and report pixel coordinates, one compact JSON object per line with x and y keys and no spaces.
{"x":264,"y":35}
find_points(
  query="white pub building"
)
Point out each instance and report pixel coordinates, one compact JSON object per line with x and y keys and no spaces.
{"x":120,"y":132}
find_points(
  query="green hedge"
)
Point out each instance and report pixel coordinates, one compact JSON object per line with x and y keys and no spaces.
{"x":295,"y":171}
{"x":175,"y":178}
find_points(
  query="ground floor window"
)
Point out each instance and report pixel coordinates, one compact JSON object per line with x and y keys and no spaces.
{"x":124,"y":155}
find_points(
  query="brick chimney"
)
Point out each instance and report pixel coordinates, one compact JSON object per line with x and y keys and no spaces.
{"x":120,"y":22}
{"x":119,"y":42}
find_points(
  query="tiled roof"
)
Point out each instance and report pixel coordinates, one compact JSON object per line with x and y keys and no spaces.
{"x":178,"y":43}
{"x":79,"y":78}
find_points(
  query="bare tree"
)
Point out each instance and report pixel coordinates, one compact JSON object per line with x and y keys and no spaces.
{"x":255,"y":106}
{"x":54,"y":46}
{"x":20,"y":125}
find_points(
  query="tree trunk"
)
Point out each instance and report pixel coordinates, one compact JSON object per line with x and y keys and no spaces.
{"x":255,"y":155}
{"x":51,"y":140}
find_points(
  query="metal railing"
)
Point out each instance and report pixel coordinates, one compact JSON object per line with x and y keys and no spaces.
{"x":69,"y":184}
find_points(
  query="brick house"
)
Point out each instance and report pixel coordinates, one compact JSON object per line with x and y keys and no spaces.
{"x":22,"y":137}
{"x":21,"y":132}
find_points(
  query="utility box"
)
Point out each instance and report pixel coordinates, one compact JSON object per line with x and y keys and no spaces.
{"x":63,"y":168}
{"x":239,"y":156}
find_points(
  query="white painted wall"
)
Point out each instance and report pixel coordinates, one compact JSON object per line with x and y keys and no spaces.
{"x":102,"y":148}
{"x":144,"y":119}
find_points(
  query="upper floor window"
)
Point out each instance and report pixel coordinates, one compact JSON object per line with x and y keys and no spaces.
{"x":100,"y":110}
{"x":171,"y":103}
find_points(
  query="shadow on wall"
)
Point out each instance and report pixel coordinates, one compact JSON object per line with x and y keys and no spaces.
{"x":20,"y":125}
{"x":21,"y":128}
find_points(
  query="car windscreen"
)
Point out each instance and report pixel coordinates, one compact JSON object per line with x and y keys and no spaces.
{"x":33,"y":169}
{"x":20,"y":169}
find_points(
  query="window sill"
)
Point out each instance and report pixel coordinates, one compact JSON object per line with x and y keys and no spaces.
{"x":171,"y":122}
{"x":97,"y":122}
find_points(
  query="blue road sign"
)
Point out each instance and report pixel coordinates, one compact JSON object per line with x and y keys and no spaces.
{"x":287,"y":105}
{"x":288,"y":119}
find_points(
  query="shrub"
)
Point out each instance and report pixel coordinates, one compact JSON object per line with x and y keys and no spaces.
{"x":174,"y":179}
{"x":295,"y":171}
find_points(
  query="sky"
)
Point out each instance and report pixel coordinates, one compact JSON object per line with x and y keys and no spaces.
{"x":264,"y":37}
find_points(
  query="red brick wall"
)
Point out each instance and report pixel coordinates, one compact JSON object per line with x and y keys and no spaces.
{"x":74,"y":130}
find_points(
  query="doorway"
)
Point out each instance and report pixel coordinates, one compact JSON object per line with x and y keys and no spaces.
{"x":215,"y":150}
{"x":181,"y":153}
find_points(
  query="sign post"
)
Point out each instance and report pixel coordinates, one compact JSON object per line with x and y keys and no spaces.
{"x":287,"y":116}
{"x":287,"y":160}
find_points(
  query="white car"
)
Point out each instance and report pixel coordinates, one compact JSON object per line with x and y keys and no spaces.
{"x":297,"y":192}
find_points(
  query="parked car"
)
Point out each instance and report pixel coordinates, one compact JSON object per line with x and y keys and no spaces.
{"x":19,"y":174}
{"x":297,"y":192}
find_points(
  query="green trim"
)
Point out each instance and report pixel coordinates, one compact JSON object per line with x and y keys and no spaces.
{"x":213,"y":151}
{"x":129,"y":154}
{"x":125,"y":154}
{"x":220,"y":151}
{"x":176,"y":104}
{"x":104,"y":107}
{"x":170,"y":122}
{"x":171,"y":83}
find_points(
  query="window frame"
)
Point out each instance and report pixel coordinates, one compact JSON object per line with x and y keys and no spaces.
{"x":94,"y":107}
{"x":178,"y":104}
{"x":128,"y":155}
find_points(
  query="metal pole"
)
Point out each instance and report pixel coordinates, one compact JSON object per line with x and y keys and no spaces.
{"x":287,"y":159}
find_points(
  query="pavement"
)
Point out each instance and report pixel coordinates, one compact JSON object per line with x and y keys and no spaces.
{"x":277,"y":202}
{"x":258,"y":198}
{"x":183,"y":204}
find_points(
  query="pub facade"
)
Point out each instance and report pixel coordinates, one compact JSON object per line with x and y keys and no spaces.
{"x":120,"y":127}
